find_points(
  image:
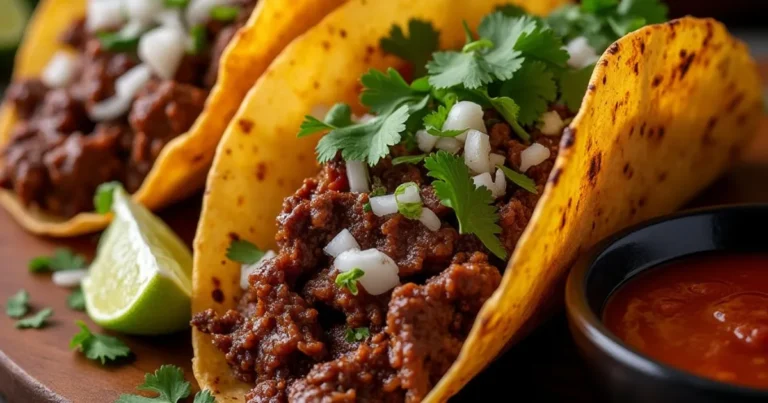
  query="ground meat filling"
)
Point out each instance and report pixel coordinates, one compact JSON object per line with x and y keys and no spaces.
{"x":57,"y":155}
{"x":417,"y":329}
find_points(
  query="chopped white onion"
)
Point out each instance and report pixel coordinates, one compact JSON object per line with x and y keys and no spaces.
{"x":383,"y":205}
{"x":550,"y":123}
{"x":500,"y":182}
{"x":582,"y":55}
{"x":357,"y":175}
{"x":129,"y":84}
{"x":430,"y":219}
{"x":199,"y":11}
{"x":247,"y":269}
{"x":497,"y":159}
{"x":532,"y":156}
{"x":342,"y":242}
{"x":162,"y":49}
{"x":169,"y":17}
{"x":104,"y":14}
{"x":477,"y":151}
{"x":69,"y":278}
{"x":449,"y":144}
{"x":465,"y":115}
{"x":60,"y":70}
{"x":426,"y":141}
{"x":409,"y":193}
{"x":497,"y":187}
{"x":143,"y":11}
{"x":381,"y":272}
{"x":484,"y":179}
{"x":110,"y":108}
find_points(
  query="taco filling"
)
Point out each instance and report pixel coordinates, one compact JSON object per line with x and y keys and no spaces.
{"x":386,"y":256}
{"x":134,"y":75}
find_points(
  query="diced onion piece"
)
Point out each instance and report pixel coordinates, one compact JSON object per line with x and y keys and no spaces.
{"x":500,"y":182}
{"x":60,"y":70}
{"x":143,"y":11}
{"x":449,"y":144}
{"x":127,"y":85}
{"x":484,"y":179}
{"x":69,"y":278}
{"x":582,"y":55}
{"x":477,"y":151}
{"x":497,"y":187}
{"x":408,"y":193}
{"x":430,"y":219}
{"x":342,"y":242}
{"x":110,"y":108}
{"x":532,"y":156}
{"x":247,"y":269}
{"x":497,"y":159}
{"x":550,"y":123}
{"x":357,"y":175}
{"x":465,"y":115}
{"x":199,"y":11}
{"x":380,"y":271}
{"x":426,"y":141}
{"x":162,"y":49}
{"x":104,"y":14}
{"x":170,"y":17}
{"x":383,"y":205}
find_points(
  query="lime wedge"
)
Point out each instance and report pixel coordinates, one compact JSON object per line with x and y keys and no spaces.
{"x":13,"y":19}
{"x":139,"y":282}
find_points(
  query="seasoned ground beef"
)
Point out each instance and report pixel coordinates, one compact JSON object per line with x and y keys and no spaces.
{"x":58,"y":155}
{"x":417,"y":329}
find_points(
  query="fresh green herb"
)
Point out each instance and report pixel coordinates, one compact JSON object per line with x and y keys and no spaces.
{"x":118,"y":41}
{"x":199,"y":39}
{"x":340,"y":115}
{"x":168,"y":382}
{"x":357,"y":334}
{"x":409,"y":210}
{"x":542,"y":44}
{"x":176,"y":3}
{"x":312,"y":125}
{"x":102,"y":199}
{"x":35,"y":321}
{"x":18,"y":304}
{"x":519,"y":179}
{"x":408,"y":159}
{"x":573,"y":86}
{"x":511,"y":10}
{"x":244,"y":252}
{"x":76,"y":300}
{"x":434,"y":121}
{"x":383,"y":93}
{"x":224,"y":13}
{"x":348,"y":279}
{"x":204,"y":396}
{"x":533,"y":88}
{"x":367,"y":207}
{"x":508,"y":109}
{"x":416,"y":48}
{"x":98,"y":346}
{"x":473,"y":206}
{"x":62,"y":259}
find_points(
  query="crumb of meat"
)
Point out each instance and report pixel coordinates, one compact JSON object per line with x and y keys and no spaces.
{"x":427,"y":324}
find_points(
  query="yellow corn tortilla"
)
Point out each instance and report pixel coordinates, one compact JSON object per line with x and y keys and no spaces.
{"x":181,"y":167}
{"x":657,"y":125}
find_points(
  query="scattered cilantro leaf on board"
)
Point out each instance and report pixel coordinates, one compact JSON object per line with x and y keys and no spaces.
{"x":35,"y":321}
{"x":244,"y":252}
{"x":98,"y":346}
{"x":17,"y":305}
{"x":533,"y":88}
{"x":416,"y":48}
{"x":76,"y":300}
{"x":62,"y":259}
{"x":169,"y":383}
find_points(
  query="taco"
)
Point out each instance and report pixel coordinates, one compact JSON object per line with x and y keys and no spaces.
{"x":135,"y":91}
{"x":452,"y":195}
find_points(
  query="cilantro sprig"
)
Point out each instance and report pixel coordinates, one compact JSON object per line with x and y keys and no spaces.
{"x":244,"y":252}
{"x":98,"y":346}
{"x":348,"y":279}
{"x":36,"y":321}
{"x":62,"y":259}
{"x":17,"y":304}
{"x":416,"y":48}
{"x":357,"y":334}
{"x":76,"y":300}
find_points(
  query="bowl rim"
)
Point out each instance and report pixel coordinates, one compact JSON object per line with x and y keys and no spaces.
{"x":585,"y":320}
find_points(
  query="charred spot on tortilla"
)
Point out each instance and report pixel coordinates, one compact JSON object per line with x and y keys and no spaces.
{"x":555,"y":177}
{"x":642,"y":47}
{"x":657,"y":80}
{"x":245,"y":125}
{"x":734,"y":103}
{"x":614,"y":48}
{"x":218,"y":295}
{"x":569,"y":137}
{"x":635,"y":69}
{"x":594,"y":167}
{"x":686,"y":63}
{"x":261,"y":171}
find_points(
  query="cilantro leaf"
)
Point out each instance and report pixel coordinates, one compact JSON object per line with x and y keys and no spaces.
{"x":511,"y":10}
{"x":244,"y":252}
{"x":383,"y":93}
{"x":507,"y":108}
{"x":98,"y":346}
{"x":408,"y":159}
{"x":17,"y":305}
{"x":417,"y":48}
{"x":473,"y":206}
{"x":519,"y":179}
{"x":348,"y":279}
{"x":543,"y":44}
{"x":357,"y":334}
{"x":340,"y":115}
{"x":62,"y":259}
{"x":35,"y":321}
{"x":435,"y":120}
{"x":504,"y":32}
{"x":176,"y":3}
{"x":449,"y":69}
{"x":102,"y":200}
{"x":312,"y":125}
{"x":573,"y":86}
{"x":76,"y":300}
{"x":596,"y":6}
{"x":368,"y":141}
{"x":652,"y":11}
{"x":118,"y":41}
{"x":199,"y":40}
{"x":204,"y":396}
{"x":533,"y":88}
{"x":168,"y":381}
{"x":224,"y":13}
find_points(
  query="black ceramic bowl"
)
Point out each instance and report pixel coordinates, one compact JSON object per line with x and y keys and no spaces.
{"x":624,"y":374}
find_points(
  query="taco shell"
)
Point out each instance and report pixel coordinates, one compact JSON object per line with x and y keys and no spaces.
{"x":668,"y":107}
{"x":180,"y":169}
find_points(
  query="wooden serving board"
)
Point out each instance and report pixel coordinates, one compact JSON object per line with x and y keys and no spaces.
{"x":37,"y":365}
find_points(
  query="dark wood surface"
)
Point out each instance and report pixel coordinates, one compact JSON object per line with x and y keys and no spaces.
{"x":37,"y":365}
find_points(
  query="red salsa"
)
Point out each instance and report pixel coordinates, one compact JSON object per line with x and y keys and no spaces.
{"x":705,"y":315}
